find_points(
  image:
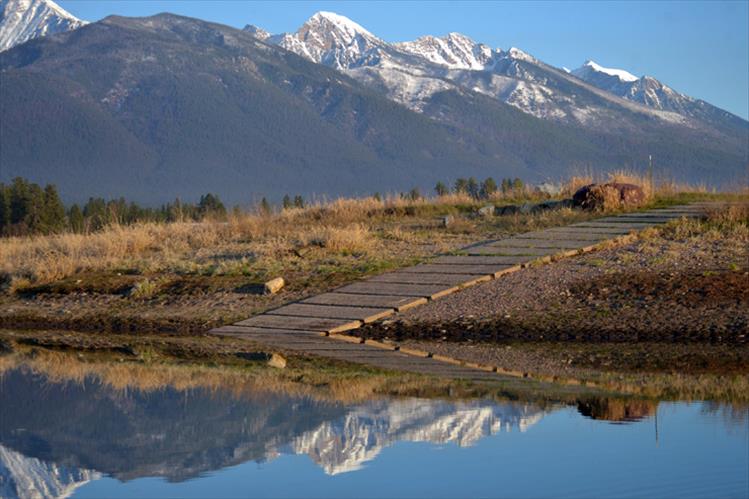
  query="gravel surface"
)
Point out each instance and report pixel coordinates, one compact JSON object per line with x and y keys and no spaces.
{"x":650,"y":290}
{"x":653,"y":305}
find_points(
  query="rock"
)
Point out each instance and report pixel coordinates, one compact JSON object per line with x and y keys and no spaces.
{"x":274,"y":286}
{"x":277,"y":361}
{"x":528,"y":208}
{"x":556,"y":205}
{"x":506,"y":210}
{"x":446,"y":221}
{"x":5,"y":347}
{"x":486,"y":211}
{"x":608,"y":196}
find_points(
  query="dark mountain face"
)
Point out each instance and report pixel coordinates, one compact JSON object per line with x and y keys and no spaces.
{"x":160,"y":107}
{"x":167,"y":106}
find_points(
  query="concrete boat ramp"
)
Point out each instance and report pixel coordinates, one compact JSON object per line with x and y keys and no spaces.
{"x":316,"y":325}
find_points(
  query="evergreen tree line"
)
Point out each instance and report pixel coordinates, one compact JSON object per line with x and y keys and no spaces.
{"x":481,"y":190}
{"x":27,"y":209}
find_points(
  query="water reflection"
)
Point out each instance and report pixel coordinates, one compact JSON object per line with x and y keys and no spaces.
{"x":57,"y":436}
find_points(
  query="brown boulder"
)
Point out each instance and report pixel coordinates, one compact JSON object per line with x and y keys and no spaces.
{"x":608,"y":196}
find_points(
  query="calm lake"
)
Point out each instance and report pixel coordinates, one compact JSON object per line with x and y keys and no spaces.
{"x":84,"y":439}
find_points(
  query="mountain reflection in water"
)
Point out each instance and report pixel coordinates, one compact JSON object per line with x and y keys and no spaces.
{"x":57,"y":436}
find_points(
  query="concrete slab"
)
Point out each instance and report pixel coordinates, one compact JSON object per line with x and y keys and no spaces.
{"x":398,"y":302}
{"x":431,"y":291}
{"x":364,"y":314}
{"x":304,"y":323}
{"x":414,"y":278}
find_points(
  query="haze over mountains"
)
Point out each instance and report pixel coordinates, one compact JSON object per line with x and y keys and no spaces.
{"x":166,"y":106}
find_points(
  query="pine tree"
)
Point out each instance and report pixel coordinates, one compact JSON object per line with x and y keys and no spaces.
{"x":517,"y":185}
{"x":472,"y":188}
{"x":506,"y":185}
{"x":211,"y":205}
{"x":460,"y":186}
{"x":4,"y":208}
{"x":286,"y":202}
{"x":265,"y":208}
{"x":441,"y":189}
{"x":298,"y":201}
{"x":488,"y":187}
{"x":75,"y":219}
{"x":53,"y":212}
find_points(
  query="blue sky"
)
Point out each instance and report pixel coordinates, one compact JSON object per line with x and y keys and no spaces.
{"x":698,"y":48}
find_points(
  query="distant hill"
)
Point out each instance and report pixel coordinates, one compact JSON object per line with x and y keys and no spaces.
{"x":167,"y":106}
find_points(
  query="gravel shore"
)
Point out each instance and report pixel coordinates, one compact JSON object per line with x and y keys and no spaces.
{"x":658,"y":304}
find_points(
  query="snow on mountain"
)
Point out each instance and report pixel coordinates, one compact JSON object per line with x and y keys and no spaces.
{"x":346,"y":445}
{"x":22,"y":20}
{"x":411,"y":73}
{"x":257,"y":32}
{"x":590,"y":68}
{"x":27,"y":477}
{"x":331,"y":39}
{"x":649,"y":92}
{"x":454,"y":50}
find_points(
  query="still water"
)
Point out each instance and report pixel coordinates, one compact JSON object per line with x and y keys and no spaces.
{"x":84,"y":439}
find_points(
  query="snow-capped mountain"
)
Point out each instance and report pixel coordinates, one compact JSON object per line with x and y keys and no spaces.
{"x":590,"y":71}
{"x":411,"y":73}
{"x":22,"y":20}
{"x":333,"y":40}
{"x":344,"y":445}
{"x":454,"y":51}
{"x":648,"y":91}
{"x":27,"y":477}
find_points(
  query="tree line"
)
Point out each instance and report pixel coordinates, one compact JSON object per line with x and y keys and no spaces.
{"x":481,"y":190}
{"x":27,"y":208}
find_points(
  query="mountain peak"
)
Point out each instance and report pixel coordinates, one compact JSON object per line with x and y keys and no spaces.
{"x":516,"y":53}
{"x":591,"y":65}
{"x":22,"y":20}
{"x":339,"y":22}
{"x":257,"y":32}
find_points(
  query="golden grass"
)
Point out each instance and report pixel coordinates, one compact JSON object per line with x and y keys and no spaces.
{"x":652,"y":186}
{"x":323,"y":233}
{"x":358,"y":227}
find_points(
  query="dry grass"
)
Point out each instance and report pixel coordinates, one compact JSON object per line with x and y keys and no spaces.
{"x":343,"y":232}
{"x":363,"y":227}
{"x":651,"y":186}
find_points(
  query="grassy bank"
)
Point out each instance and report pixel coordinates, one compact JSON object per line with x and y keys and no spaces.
{"x":189,"y":277}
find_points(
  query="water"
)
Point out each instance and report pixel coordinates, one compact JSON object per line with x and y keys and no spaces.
{"x":84,"y":439}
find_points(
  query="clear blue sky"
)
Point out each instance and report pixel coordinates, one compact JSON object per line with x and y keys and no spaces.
{"x":698,"y":48}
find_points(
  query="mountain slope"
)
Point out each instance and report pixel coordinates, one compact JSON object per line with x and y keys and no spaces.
{"x":411,"y":72}
{"x":427,"y":74}
{"x":655,"y":94}
{"x":168,"y":106}
{"x":23,"y":20}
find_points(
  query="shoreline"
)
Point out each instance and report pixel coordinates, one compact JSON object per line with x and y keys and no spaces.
{"x":654,"y":314}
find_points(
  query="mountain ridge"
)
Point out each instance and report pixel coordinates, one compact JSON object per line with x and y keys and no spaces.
{"x":23,"y":20}
{"x":168,"y":106}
